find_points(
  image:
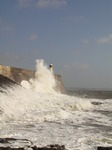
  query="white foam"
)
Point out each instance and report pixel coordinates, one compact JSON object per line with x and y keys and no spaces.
{"x":37,"y":103}
{"x":44,"y":81}
{"x":27,"y":104}
{"x":38,"y":100}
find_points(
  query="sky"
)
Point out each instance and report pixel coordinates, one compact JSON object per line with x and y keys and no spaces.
{"x":74,"y":35}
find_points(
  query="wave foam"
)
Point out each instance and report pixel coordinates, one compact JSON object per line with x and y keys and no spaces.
{"x":38,"y":101}
{"x":44,"y":81}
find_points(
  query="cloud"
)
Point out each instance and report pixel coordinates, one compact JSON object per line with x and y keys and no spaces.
{"x":81,"y":66}
{"x":74,"y":19}
{"x":5,"y":27}
{"x":51,"y":3}
{"x":77,"y":65}
{"x":85,"y":41}
{"x":9,"y":57}
{"x":33,"y":37}
{"x":105,"y":40}
{"x":25,"y":3}
{"x":41,"y":3}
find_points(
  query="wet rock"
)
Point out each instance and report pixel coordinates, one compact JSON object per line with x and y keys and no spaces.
{"x":5,"y":81}
{"x":50,"y":147}
{"x":9,"y":148}
{"x":15,"y":144}
{"x":104,"y":148}
{"x":6,"y":140}
{"x":9,"y":140}
{"x":23,"y":144}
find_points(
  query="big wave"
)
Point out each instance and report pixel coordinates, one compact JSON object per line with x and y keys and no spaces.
{"x":37,"y":99}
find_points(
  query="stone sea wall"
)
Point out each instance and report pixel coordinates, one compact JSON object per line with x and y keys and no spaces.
{"x":19,"y":74}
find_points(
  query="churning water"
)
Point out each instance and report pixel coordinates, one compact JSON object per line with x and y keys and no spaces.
{"x":36,"y":111}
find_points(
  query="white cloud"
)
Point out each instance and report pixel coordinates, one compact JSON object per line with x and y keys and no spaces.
{"x":6,"y":57}
{"x":51,"y":3}
{"x":74,"y":19}
{"x":81,"y":66}
{"x":41,"y":3}
{"x":77,"y":65}
{"x":67,"y":66}
{"x":25,"y":3}
{"x":105,"y":40}
{"x":5,"y":27}
{"x":33,"y":37}
{"x":85,"y":41}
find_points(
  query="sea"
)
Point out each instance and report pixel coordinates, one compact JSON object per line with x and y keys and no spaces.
{"x":81,"y":119}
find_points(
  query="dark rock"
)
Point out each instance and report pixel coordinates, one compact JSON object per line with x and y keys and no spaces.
{"x":49,"y":147}
{"x":5,"y":81}
{"x":9,"y":148}
{"x":34,"y":148}
{"x":28,"y":145}
{"x":9,"y":140}
{"x":52,"y":147}
{"x":6,"y":140}
{"x":104,"y":148}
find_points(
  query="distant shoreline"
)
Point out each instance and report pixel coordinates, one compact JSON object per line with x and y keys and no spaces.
{"x":88,"y":89}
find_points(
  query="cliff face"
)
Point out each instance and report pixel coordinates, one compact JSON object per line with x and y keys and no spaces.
{"x":16,"y":74}
{"x":19,"y":74}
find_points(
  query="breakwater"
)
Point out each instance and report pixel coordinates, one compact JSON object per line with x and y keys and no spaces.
{"x":19,"y":74}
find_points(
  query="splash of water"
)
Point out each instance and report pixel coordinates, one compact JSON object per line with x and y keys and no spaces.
{"x":39,"y":101}
{"x":44,"y":81}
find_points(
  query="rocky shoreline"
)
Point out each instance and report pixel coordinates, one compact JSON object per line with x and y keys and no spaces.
{"x":24,"y":144}
{"x":5,"y":81}
{"x":21,"y":144}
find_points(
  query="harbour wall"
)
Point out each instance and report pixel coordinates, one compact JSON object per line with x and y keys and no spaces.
{"x":19,"y":74}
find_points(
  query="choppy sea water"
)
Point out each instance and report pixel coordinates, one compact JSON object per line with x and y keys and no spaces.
{"x":44,"y":116}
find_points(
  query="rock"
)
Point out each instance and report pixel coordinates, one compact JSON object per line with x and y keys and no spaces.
{"x":9,"y":148}
{"x":6,"y":140}
{"x":104,"y":148}
{"x":12,"y":142}
{"x":5,"y":81}
{"x":26,"y":144}
{"x":50,"y":147}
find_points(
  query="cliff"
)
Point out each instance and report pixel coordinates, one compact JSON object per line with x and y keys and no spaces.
{"x":19,"y":74}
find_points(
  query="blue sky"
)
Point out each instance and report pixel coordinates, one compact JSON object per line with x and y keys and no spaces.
{"x":74,"y":35}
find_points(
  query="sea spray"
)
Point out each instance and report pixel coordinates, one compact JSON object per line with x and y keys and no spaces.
{"x":38,"y":101}
{"x":46,"y":116}
{"x":44,"y":81}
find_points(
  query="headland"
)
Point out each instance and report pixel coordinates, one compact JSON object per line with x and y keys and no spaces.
{"x":19,"y":74}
